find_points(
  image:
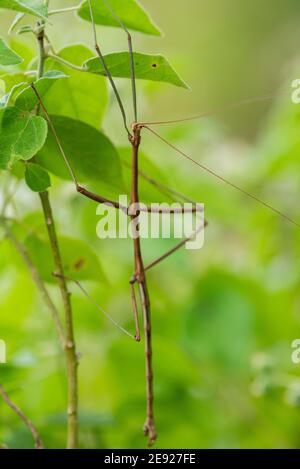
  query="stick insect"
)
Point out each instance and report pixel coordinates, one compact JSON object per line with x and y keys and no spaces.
{"x":138,"y":281}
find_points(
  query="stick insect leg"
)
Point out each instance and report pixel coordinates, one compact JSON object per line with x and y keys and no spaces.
{"x":135,"y":312}
{"x":164,"y":210}
{"x":108,"y":74}
{"x":171,"y":251}
{"x":80,"y":189}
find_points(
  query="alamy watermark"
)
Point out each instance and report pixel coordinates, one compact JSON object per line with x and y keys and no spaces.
{"x":296,"y":91}
{"x":158,"y":220}
{"x":296,"y":352}
{"x":2,"y":351}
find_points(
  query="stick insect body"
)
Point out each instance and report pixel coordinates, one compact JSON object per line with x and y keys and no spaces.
{"x":139,"y":277}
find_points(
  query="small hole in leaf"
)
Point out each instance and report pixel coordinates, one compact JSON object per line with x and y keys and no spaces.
{"x":79,"y":264}
{"x":154,"y":65}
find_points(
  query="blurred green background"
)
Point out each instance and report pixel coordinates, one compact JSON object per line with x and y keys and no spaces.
{"x":224,"y":317}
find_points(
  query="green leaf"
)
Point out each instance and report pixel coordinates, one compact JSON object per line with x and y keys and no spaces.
{"x":37,"y":179}
{"x":27,"y":99}
{"x":147,"y":67}
{"x":8,"y":56}
{"x":83,"y":96}
{"x":21,"y":135}
{"x":34,"y":7}
{"x":91,"y":153}
{"x":80,"y":262}
{"x":25,"y":49}
{"x":131,"y":13}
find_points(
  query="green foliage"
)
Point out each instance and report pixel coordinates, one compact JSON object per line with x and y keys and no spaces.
{"x":21,"y":135}
{"x":131,"y":13}
{"x":37,"y":178}
{"x":223,"y":317}
{"x":90,"y":152}
{"x":83,"y":96}
{"x":147,"y":67}
{"x":8,"y":56}
{"x":37,"y":8}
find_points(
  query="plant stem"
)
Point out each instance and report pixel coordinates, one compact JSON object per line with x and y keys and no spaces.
{"x":70,"y":347}
{"x":35,"y":434}
{"x":149,"y":428}
{"x":41,"y":52}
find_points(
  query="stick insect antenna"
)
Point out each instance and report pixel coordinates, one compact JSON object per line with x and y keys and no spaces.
{"x":244,"y":102}
{"x":108,"y":74}
{"x":226,"y":181}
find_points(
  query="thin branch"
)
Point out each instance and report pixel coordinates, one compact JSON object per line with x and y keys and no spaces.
{"x":70,"y":348}
{"x":41,"y":51}
{"x":132,"y":66}
{"x":226,"y":181}
{"x":38,"y":282}
{"x":107,"y":71}
{"x":35,"y":434}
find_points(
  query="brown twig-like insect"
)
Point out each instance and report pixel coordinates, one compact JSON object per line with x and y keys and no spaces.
{"x":139,"y":276}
